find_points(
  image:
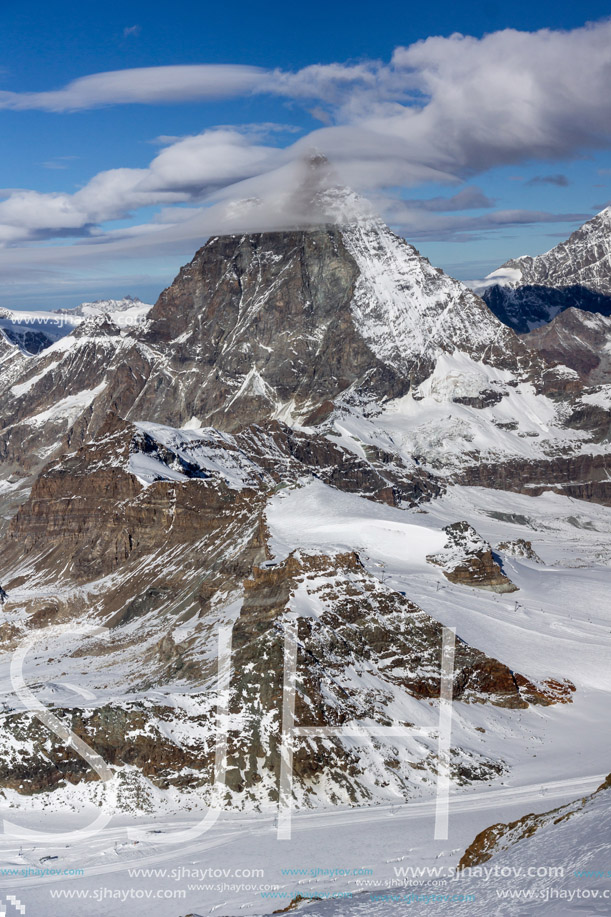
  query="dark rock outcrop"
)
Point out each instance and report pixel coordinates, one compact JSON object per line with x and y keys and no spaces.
{"x":519,"y":547}
{"x":468,"y":560}
{"x":584,"y":477}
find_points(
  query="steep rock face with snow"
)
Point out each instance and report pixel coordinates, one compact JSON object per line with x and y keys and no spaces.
{"x":253,"y":325}
{"x":281,"y":325}
{"x":7,"y":350}
{"x":528,"y":292}
{"x":64,"y":393}
{"x":290,"y":327}
{"x":341,"y":349}
{"x":337,"y":351}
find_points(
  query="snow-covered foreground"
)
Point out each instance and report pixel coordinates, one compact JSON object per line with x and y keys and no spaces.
{"x":563,"y":869}
{"x":558,"y":625}
{"x":240,"y":867}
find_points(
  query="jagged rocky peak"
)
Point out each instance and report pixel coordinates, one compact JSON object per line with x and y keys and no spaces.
{"x":279,"y":324}
{"x":12,"y":359}
{"x":318,"y":197}
{"x":6,"y":345}
{"x":527,"y":292}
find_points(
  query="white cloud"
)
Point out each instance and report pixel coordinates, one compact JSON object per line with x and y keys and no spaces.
{"x":143,"y":85}
{"x":442,"y":110}
{"x":454,"y":107}
{"x":182,"y":172}
{"x":216,"y":157}
{"x":508,"y":95}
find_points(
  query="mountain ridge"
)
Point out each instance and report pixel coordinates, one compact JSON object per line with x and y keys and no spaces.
{"x":527,"y":292}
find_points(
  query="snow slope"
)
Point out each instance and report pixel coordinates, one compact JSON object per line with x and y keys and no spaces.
{"x":405,"y":308}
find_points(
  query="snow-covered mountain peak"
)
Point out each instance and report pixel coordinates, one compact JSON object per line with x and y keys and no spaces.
{"x":285,"y":322}
{"x":342,"y":206}
{"x":319,"y":197}
{"x":35,"y":331}
{"x":123,"y":312}
{"x":406,"y":309}
{"x":528,"y":292}
{"x":99,"y":306}
{"x":605,"y":212}
{"x":100,"y":325}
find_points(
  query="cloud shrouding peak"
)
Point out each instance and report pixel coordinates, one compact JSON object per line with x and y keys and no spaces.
{"x":442,"y":110}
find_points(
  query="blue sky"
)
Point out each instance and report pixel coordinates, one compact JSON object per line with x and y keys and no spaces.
{"x":477,"y":149}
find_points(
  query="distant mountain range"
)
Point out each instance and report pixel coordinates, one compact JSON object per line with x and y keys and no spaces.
{"x":34,"y":331}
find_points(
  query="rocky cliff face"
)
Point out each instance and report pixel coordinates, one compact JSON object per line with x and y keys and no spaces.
{"x":258,"y":328}
{"x":365,"y":652}
{"x":8,"y":352}
{"x":528,"y":292}
{"x":282,"y":325}
{"x":253,"y":324}
{"x":466,"y":558}
{"x":56,"y":399}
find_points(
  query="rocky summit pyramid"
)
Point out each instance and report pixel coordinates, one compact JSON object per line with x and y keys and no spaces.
{"x":278,"y":325}
{"x":528,"y":292}
{"x":273,"y":442}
